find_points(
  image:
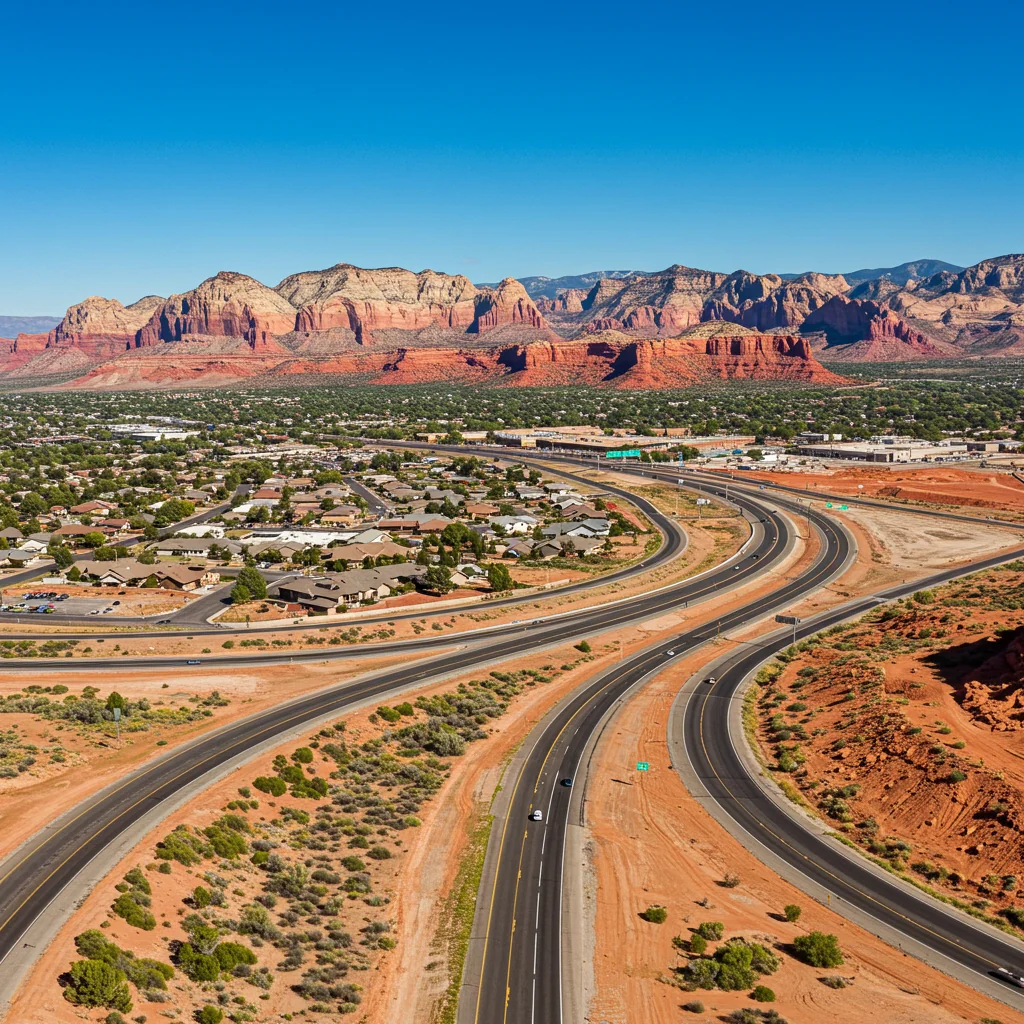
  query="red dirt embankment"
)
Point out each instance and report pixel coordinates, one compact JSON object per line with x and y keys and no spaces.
{"x":906,"y":730}
{"x":971,"y":488}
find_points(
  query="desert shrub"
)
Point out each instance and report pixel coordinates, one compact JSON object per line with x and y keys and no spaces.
{"x":694,"y":1006}
{"x":96,"y":983}
{"x":383,"y":853}
{"x":389,"y":714}
{"x":137,"y":880}
{"x":352,"y":864}
{"x":114,"y":1017}
{"x":833,"y":981}
{"x":230,"y":954}
{"x":200,"y":897}
{"x":270,"y":784}
{"x":711,"y":930}
{"x":763,"y":960}
{"x":126,"y":906}
{"x":702,"y":973}
{"x":655,"y":914}
{"x":197,"y":966}
{"x":302,"y":756}
{"x":818,"y":949}
{"x":210,"y":1015}
{"x":583,"y":646}
{"x":730,"y":881}
{"x":762,"y":994}
{"x":735,"y":966}
{"x":791,"y":911}
{"x":183,"y":846}
{"x":698,"y":944}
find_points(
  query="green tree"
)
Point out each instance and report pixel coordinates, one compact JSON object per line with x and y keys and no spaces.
{"x":95,"y":983}
{"x":499,"y":577}
{"x":240,"y":594}
{"x":63,"y":557}
{"x":439,"y":579}
{"x":251,"y":578}
{"x":791,"y":911}
{"x":210,"y":1015}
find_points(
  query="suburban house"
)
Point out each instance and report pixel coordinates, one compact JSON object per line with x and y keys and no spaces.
{"x":186,"y":577}
{"x":584,"y":528}
{"x":559,"y":545}
{"x":519,"y":524}
{"x":480,"y":509}
{"x":122,"y":573}
{"x":323,"y":594}
{"x":194,"y":547}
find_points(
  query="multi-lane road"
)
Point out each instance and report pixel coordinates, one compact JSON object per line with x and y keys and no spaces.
{"x":39,"y":872}
{"x":518,"y":975}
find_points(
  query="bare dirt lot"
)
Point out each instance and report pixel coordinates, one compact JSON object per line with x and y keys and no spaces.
{"x":968,"y":488}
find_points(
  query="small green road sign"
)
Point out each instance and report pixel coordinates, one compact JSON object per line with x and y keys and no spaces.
{"x":643,"y":766}
{"x":844,"y":508}
{"x":828,"y":504}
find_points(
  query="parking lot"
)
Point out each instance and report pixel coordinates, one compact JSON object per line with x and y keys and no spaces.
{"x":67,"y":606}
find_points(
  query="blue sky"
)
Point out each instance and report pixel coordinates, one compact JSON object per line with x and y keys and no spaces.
{"x":145,"y":147}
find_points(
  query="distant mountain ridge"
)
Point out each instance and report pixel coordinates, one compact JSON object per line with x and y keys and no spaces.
{"x":915,"y":270}
{"x":667,"y":328}
{"x":11,"y":326}
{"x":550,"y":287}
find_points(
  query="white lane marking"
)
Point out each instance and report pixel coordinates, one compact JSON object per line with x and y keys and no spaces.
{"x":536,"y":936}
{"x":540,"y":873}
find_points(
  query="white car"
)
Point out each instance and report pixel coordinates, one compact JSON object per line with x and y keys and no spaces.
{"x":536,"y":815}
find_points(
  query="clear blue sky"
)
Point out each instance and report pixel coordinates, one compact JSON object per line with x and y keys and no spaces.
{"x":143,"y":147}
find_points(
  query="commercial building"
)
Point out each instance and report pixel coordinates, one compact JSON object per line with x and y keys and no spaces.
{"x":580,"y":439}
{"x":885,"y":450}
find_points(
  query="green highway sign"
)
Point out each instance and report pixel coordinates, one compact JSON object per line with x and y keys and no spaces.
{"x":629,"y":453}
{"x":844,"y":508}
{"x":643,"y":766}
{"x":828,"y":504}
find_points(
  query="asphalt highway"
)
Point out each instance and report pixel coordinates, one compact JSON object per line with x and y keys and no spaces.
{"x":37,"y":873}
{"x":520,"y":973}
{"x":713,"y":756}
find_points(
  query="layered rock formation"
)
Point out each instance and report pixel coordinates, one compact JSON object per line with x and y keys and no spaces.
{"x":648,"y":330}
{"x":870,"y":332}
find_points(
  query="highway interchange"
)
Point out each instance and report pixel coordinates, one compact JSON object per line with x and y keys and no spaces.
{"x":518,"y":975}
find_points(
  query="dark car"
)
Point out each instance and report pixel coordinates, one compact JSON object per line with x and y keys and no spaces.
{"x":193,"y":661}
{"x":566,"y":782}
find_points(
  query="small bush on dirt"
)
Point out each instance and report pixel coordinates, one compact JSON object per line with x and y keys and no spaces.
{"x":792,"y":912}
{"x":711,"y":930}
{"x":763,"y":994}
{"x":698,"y":944}
{"x":694,"y":1006}
{"x":818,"y":949}
{"x":655,"y":914}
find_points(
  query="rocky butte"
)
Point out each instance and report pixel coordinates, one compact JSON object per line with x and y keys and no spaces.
{"x":667,"y":329}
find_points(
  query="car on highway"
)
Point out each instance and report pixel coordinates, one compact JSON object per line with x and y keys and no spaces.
{"x":1011,"y":976}
{"x":711,"y":680}
{"x":536,"y":815}
{"x":567,"y":782}
{"x":193,"y":661}
{"x":735,"y":568}
{"x":670,"y":654}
